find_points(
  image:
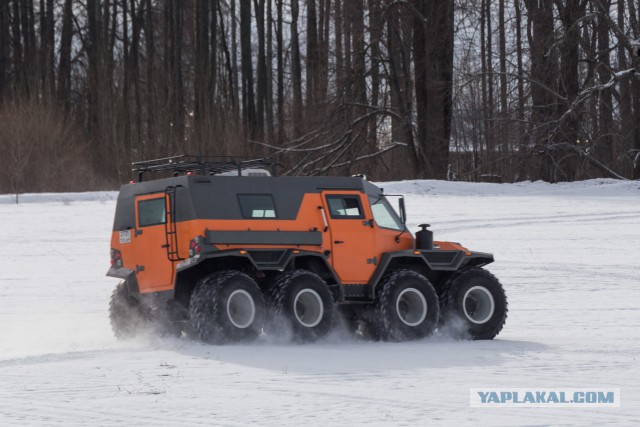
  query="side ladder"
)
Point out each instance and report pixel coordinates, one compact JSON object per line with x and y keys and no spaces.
{"x":171,"y":231}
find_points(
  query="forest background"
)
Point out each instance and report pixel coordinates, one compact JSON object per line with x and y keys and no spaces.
{"x":474,"y":90}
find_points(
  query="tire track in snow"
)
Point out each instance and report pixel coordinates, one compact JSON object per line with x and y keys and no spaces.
{"x":59,"y":357}
{"x":68,"y":413}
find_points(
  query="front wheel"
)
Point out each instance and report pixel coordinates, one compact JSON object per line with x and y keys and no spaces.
{"x":407,"y":307}
{"x":227,"y":306}
{"x":474,"y":305}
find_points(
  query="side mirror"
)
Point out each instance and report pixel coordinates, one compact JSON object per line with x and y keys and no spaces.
{"x":403,"y":211}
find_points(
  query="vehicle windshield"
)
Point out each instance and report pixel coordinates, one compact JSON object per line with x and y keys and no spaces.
{"x":384,"y":215}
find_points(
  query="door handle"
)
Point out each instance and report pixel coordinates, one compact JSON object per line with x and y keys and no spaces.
{"x":338,"y":242}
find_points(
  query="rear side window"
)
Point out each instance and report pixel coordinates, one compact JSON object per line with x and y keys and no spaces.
{"x":151,"y":212}
{"x":345,"y":207}
{"x":257,"y":206}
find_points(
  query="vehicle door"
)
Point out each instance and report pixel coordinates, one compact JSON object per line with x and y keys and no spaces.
{"x":154,"y":271}
{"x":352,"y":235}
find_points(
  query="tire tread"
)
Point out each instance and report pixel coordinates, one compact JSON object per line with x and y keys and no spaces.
{"x":448,"y":296}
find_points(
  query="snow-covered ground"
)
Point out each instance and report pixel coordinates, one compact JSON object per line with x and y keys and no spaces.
{"x":568,"y":255}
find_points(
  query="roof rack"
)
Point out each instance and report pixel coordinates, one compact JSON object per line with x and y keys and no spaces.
{"x":205,"y":165}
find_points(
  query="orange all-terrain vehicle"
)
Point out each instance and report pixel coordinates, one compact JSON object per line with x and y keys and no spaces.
{"x":226,"y":257}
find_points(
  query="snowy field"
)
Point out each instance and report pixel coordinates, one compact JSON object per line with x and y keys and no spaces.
{"x":567,"y":254}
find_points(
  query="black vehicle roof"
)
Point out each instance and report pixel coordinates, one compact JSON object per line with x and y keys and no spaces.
{"x":215,"y":197}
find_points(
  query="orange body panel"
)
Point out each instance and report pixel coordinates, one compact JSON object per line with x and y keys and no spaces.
{"x":354,"y":260}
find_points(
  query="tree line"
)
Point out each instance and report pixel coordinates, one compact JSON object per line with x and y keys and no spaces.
{"x":498,"y":90}
{"x":548,"y":89}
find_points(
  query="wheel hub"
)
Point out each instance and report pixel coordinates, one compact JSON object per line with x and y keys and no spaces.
{"x":411,"y":307}
{"x":478,"y":305}
{"x":308,"y":308}
{"x":241,"y":309}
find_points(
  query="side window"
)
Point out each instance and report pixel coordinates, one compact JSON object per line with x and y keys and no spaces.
{"x":344,"y":207}
{"x":384,"y":215}
{"x":257,"y":206}
{"x":151,"y":212}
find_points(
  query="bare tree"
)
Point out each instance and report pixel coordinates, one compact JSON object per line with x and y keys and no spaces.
{"x":433,"y":59}
{"x":533,"y":89}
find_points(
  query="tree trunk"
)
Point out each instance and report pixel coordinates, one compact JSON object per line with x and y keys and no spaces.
{"x":636,"y":128}
{"x":18,"y":60}
{"x":323,"y":77}
{"x":5,"y":43}
{"x":269,"y":74}
{"x":94,"y":48}
{"x":312,"y":52}
{"x":543,"y":73}
{"x":296,"y":71}
{"x":570,"y":14}
{"x":231,"y":74}
{"x":433,"y":50}
{"x":47,"y":34}
{"x":126,"y":110}
{"x":137,"y":20}
{"x":64,"y":67}
{"x":635,"y":89}
{"x":488,"y":144}
{"x":400,"y":96}
{"x":234,"y":60}
{"x":347,"y":17}
{"x":492,"y":143}
{"x":248,"y":103}
{"x":505,"y":140}
{"x":337,"y":24}
{"x":280,"y":60}
{"x":261,"y":89}
{"x":375,"y":32}
{"x":605,"y":106}
{"x":150,"y":89}
{"x":519,"y":59}
{"x":626,"y":111}
{"x":29,"y":45}
{"x":360,"y":142}
{"x":202,"y":60}
{"x":213,"y":62}
{"x":359,"y":51}
{"x":175,"y":100}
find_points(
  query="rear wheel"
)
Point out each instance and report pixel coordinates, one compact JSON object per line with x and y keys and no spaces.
{"x":474,"y":305}
{"x":407,"y":307}
{"x":302,"y":301}
{"x":128,"y":319}
{"x":227,"y":307}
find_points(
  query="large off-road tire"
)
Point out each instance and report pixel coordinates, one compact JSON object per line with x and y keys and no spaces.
{"x":127,"y":316}
{"x":474,"y":305}
{"x":406,"y":308}
{"x":303,"y":304}
{"x":226,"y":306}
